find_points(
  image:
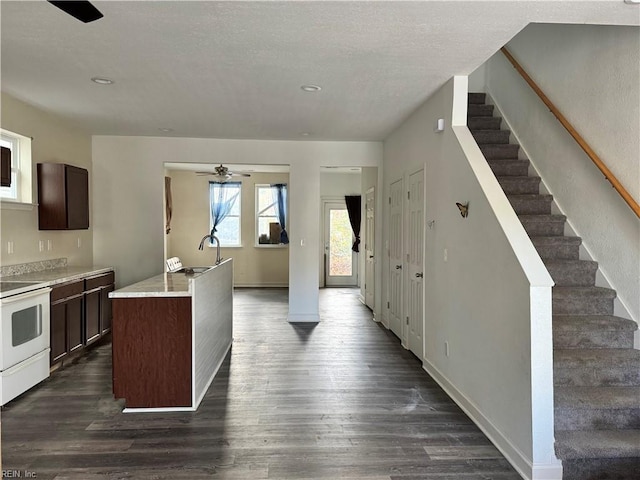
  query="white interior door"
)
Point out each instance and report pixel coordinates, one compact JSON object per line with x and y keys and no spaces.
{"x":396,"y":199}
{"x":415,"y":260}
{"x":341,"y":263}
{"x":369,"y":244}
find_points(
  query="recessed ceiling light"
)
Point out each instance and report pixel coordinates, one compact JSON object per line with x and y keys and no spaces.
{"x":166,"y":130}
{"x":311,"y":88}
{"x":102,"y":81}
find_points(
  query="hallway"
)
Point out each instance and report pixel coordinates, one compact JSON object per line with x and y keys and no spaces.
{"x":340,"y":399}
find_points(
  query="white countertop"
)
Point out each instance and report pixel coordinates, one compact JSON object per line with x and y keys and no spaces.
{"x":55,"y":276}
{"x":163,"y":285}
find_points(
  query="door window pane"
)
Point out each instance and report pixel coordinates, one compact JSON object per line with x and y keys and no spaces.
{"x":340,"y":241}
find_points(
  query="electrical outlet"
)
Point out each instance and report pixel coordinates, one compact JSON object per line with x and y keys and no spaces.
{"x":10,"y":247}
{"x":41,"y":245}
{"x":446,"y":348}
{"x":49,"y":245}
{"x":79,"y":242}
{"x":446,"y":255}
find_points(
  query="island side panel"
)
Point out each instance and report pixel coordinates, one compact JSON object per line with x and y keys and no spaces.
{"x":152,"y":351}
{"x":213,"y":300}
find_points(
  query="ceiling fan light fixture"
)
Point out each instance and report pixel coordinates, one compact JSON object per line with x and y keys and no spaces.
{"x":311,"y":88}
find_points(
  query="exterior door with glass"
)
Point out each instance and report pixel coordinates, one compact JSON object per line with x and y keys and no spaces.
{"x":341,"y":263}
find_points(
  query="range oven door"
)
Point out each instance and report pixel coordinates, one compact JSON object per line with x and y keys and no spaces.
{"x":25,"y":326}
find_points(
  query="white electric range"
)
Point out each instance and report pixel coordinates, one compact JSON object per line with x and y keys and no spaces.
{"x":24,"y":337}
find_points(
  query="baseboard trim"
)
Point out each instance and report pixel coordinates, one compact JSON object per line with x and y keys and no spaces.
{"x":514,"y":456}
{"x":303,"y":317}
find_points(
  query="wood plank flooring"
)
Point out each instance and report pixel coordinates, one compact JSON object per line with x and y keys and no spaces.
{"x":336,"y":400}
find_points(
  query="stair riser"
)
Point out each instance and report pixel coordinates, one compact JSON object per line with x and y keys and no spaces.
{"x":531,"y":206}
{"x":506,"y":168}
{"x":477,"y":98}
{"x":596,"y":418}
{"x":582,"y":306}
{"x":574,"y":275}
{"x":484,"y":123}
{"x":600,"y":469}
{"x":564,"y":252}
{"x":499,"y":151}
{"x":601,"y":376}
{"x":519,"y":185}
{"x":491,"y":137}
{"x":593,"y":338}
{"x":474,"y":110}
{"x":550,"y":228}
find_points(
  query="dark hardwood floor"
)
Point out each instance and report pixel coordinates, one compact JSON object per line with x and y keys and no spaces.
{"x":337,"y":400}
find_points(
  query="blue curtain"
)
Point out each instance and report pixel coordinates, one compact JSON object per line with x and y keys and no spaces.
{"x":223,"y":196}
{"x":280,"y":199}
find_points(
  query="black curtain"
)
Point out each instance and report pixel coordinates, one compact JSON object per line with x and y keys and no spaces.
{"x":355,"y":214}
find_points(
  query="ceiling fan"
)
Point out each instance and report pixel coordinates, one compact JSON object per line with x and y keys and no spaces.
{"x":222,"y":174}
{"x":82,"y":10}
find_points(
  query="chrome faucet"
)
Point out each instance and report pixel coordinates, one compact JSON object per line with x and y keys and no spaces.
{"x":212,"y":237}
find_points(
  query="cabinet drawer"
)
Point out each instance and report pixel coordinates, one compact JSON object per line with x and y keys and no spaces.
{"x":67,"y":290}
{"x":99,"y":281}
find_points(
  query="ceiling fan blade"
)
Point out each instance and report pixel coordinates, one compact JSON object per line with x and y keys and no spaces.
{"x":82,"y":10}
{"x":240,"y":174}
{"x":205,"y":173}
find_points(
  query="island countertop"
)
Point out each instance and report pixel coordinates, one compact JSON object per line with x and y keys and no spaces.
{"x":162,"y":285}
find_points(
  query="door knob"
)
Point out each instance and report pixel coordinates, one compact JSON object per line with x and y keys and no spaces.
{"x":398,"y":267}
{"x":370,"y":256}
{"x":419,"y":275}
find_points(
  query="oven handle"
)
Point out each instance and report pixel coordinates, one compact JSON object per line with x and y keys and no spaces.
{"x":23,"y":296}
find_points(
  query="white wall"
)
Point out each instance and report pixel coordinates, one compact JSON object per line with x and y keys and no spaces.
{"x":491,"y":300}
{"x":253,"y":266}
{"x":56,"y":141}
{"x":592,"y":74}
{"x":128,"y":199}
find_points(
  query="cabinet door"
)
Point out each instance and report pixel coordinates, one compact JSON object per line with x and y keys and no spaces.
{"x":77,"y":191}
{"x":105,"y":309}
{"x":92,"y":316}
{"x":74,"y":322}
{"x":58,"y":331}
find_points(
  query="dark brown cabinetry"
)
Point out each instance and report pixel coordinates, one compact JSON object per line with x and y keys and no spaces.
{"x":5,"y":167}
{"x":81,"y":314}
{"x":66,"y":319}
{"x":63,"y":197}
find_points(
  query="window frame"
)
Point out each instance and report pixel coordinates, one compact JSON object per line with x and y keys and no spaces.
{"x":256,"y":237}
{"x":239,"y":216}
{"x":21,"y":169}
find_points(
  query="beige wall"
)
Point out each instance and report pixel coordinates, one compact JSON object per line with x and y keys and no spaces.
{"x":253,"y":266}
{"x":54,"y":140}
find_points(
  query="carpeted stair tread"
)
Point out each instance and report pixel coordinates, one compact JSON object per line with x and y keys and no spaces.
{"x":491,"y":136}
{"x":596,"y":408}
{"x":592,"y":331}
{"x":596,"y":357}
{"x":516,"y":185}
{"x":475,"y":110}
{"x":478,"y":98}
{"x":577,"y":273}
{"x":484,"y":123}
{"x":509,"y":167}
{"x":543,"y":225}
{"x":597,"y":444}
{"x":500,"y":150}
{"x":557,"y":246}
{"x":531,"y":203}
{"x":582,"y":300}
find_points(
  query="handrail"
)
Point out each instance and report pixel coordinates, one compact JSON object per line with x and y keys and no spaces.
{"x":576,"y":136}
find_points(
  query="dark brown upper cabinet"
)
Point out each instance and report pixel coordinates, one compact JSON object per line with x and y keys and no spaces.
{"x":5,"y":157}
{"x":63,"y":197}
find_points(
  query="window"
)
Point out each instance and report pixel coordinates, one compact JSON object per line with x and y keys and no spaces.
{"x":20,"y":146}
{"x":270,"y":220}
{"x":224,"y":201}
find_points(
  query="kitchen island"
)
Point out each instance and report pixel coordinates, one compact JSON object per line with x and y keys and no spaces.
{"x":171,"y":333}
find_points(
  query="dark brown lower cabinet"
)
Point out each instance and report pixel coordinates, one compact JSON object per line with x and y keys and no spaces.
{"x":67,"y":313}
{"x":81,"y":314}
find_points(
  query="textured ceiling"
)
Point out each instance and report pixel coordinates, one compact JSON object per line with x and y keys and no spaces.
{"x":234,"y":69}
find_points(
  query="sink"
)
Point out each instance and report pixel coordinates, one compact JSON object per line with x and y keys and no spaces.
{"x":192,"y":270}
